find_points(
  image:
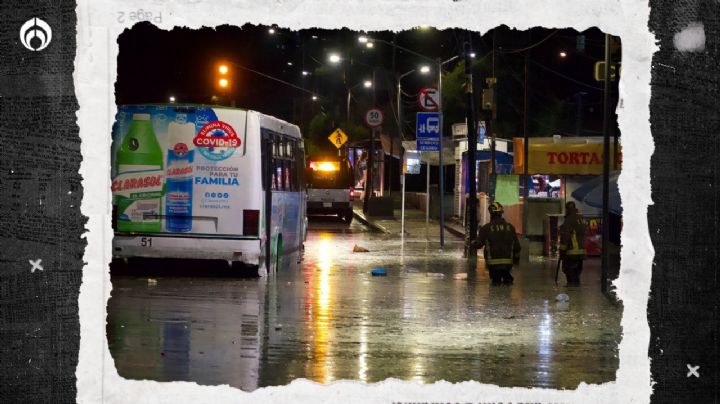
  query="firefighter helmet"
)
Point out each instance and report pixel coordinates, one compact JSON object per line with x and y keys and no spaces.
{"x":570,"y":207}
{"x":495,"y":208}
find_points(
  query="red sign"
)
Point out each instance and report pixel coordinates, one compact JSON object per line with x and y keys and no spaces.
{"x":217,"y":134}
{"x":429,"y":99}
{"x":136,"y":182}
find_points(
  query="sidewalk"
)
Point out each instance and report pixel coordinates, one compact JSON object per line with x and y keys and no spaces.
{"x":415,"y":224}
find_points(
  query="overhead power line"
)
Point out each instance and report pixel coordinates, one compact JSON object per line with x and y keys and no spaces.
{"x":566,"y":77}
{"x":528,"y":47}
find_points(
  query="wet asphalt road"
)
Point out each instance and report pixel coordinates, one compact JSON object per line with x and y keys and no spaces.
{"x":328,"y":319}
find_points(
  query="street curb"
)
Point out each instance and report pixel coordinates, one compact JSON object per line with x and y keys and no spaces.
{"x":455,"y":232}
{"x":362,"y":219}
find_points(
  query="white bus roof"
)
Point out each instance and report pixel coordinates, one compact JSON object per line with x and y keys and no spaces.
{"x":278,"y":125}
{"x":266,"y":121}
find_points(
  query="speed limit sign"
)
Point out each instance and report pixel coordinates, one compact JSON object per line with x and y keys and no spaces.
{"x":374,"y":117}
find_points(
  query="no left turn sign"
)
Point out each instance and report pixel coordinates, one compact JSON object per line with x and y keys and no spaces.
{"x":374,"y":117}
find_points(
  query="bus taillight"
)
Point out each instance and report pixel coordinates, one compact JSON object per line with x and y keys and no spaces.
{"x":251,"y":222}
{"x":352,"y":194}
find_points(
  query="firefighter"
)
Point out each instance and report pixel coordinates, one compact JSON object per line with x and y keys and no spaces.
{"x":572,"y":244}
{"x":502,"y":248}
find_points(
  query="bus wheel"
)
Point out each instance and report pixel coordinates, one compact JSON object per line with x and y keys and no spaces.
{"x":244,"y":270}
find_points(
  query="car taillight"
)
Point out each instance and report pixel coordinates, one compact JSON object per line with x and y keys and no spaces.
{"x":251,"y":222}
{"x":352,"y":194}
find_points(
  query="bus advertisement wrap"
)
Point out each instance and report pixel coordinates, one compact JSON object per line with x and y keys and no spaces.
{"x":178,"y":169}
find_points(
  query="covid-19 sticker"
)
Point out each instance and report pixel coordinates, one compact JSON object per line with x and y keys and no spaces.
{"x":217,"y":140}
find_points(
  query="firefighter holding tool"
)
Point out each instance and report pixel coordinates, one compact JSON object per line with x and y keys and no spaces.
{"x":502,"y":248}
{"x":572,"y":244}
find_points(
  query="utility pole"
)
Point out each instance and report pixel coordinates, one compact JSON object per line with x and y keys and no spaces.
{"x":491,"y":84}
{"x":526,"y":149}
{"x":606,"y":168}
{"x":471,"y":227}
{"x":369,"y":183}
{"x":441,"y":171}
{"x":392,"y":143}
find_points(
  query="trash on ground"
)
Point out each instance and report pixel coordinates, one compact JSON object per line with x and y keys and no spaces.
{"x":379,"y":272}
{"x":462,"y":275}
{"x":562,"y":297}
{"x":357,"y":248}
{"x":435,"y":275}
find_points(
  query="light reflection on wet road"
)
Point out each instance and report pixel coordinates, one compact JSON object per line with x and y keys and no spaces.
{"x":328,"y":319}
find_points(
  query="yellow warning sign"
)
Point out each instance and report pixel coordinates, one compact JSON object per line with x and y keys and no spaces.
{"x":338,"y":138}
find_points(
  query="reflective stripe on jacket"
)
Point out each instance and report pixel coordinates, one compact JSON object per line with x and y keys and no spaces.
{"x":500,"y":242}
{"x":572,"y":235}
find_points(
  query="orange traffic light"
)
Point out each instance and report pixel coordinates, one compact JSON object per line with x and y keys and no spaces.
{"x":223,"y":83}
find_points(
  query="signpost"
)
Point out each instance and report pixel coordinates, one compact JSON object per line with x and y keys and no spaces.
{"x":338,"y":138}
{"x":411,"y":165}
{"x":373,"y":118}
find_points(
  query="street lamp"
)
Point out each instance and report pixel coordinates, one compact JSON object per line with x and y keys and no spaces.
{"x":334,"y":58}
{"x":439,"y":64}
{"x":366,"y":84}
{"x":424,"y":69}
{"x":563,"y":54}
{"x":172,"y":98}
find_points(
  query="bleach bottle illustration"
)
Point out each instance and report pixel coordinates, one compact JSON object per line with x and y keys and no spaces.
{"x":179,"y":196}
{"x":138,"y":185}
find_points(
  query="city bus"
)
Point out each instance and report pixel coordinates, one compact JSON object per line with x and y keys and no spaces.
{"x":208,"y":183}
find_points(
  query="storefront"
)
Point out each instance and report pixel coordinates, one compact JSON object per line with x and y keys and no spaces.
{"x":503,"y":163}
{"x":557,"y":167}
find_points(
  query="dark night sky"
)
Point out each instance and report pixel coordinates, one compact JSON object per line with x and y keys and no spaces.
{"x":154,"y":64}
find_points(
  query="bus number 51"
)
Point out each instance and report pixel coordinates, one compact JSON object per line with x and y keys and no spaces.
{"x":146,"y":241}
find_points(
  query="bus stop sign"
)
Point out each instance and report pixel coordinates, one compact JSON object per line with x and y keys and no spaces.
{"x":427,"y":131}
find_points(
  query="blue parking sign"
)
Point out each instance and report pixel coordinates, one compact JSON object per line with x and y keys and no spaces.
{"x":427,"y":131}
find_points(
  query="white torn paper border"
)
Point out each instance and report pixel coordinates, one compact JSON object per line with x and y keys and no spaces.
{"x":99,"y":24}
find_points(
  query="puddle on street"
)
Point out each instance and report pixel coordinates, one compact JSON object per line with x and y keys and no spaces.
{"x":329,"y":319}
